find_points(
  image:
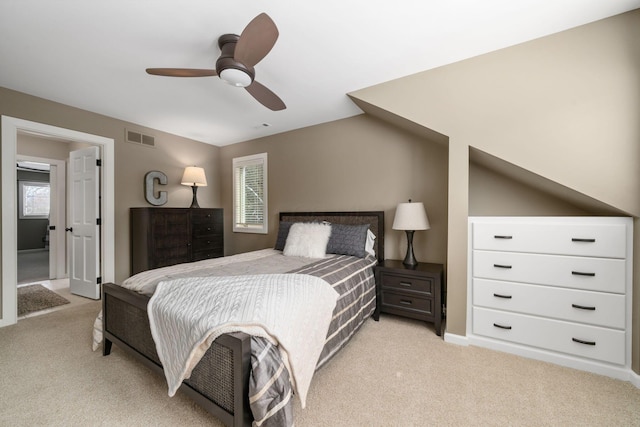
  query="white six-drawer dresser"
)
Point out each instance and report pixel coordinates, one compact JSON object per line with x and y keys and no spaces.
{"x":556,"y":289}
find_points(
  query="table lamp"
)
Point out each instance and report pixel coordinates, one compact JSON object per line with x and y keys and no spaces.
{"x":410,"y":216}
{"x":194,"y":177}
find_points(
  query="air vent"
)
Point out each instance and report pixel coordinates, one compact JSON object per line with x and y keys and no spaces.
{"x":140,"y":138}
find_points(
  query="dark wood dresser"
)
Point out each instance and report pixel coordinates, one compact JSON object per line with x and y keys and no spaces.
{"x":415,"y":292}
{"x":166,"y":236}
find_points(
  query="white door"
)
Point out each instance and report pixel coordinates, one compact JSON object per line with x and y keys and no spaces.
{"x":84,"y":222}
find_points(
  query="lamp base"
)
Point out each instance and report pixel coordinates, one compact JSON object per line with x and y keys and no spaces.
{"x":410,"y":258}
{"x":194,"y":202}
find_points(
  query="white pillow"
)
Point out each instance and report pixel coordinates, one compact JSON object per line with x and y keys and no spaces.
{"x":368,"y":245}
{"x":307,"y":240}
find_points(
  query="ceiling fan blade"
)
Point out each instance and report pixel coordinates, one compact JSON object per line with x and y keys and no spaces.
{"x":264,"y":96}
{"x":181,"y":72}
{"x":256,"y":40}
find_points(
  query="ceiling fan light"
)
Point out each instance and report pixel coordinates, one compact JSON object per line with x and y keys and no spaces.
{"x":235,"y":77}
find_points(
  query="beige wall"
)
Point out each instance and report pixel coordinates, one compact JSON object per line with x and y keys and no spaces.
{"x":132,"y":162}
{"x":493,"y":194}
{"x":358,"y":163}
{"x":33,"y":146}
{"x":564,"y":107}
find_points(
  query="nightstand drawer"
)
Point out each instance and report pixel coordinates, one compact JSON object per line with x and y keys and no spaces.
{"x":407,"y":283}
{"x":407,"y":302}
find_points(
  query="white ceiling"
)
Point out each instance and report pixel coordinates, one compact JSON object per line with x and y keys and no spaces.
{"x":92,"y":54}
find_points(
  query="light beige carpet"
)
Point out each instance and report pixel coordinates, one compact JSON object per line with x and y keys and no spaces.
{"x":395,"y":372}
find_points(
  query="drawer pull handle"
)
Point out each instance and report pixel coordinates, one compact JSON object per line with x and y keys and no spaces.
{"x":405,"y":284}
{"x":502,"y":296}
{"x":583,"y":341}
{"x":580,"y":273}
{"x":576,"y":239}
{"x":503,"y":237}
{"x":501,"y":266}
{"x":582,"y":307}
{"x":501,"y":326}
{"x":405,"y":302}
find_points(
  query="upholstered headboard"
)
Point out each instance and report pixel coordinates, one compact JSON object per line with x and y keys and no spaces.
{"x":375,"y":219}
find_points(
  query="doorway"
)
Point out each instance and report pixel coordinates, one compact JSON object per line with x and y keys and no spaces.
{"x":41,"y":244}
{"x":10,"y":129}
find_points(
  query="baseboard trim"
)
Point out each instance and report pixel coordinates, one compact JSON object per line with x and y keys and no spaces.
{"x":634,"y":379}
{"x":456,"y":339}
{"x":27,"y":251}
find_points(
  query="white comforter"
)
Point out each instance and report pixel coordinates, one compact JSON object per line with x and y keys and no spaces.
{"x":291,"y":310}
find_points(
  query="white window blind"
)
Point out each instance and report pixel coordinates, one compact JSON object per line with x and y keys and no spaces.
{"x":250,"y":194}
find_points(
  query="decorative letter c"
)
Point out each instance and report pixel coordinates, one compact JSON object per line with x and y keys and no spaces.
{"x":149,"y":179}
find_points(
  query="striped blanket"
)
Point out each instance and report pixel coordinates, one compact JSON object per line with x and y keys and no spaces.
{"x":354,"y":280}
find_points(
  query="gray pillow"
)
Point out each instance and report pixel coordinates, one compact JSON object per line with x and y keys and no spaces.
{"x":283,"y":232}
{"x":348,"y":240}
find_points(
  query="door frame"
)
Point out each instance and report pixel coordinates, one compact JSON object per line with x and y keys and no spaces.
{"x":10,"y":128}
{"x":57,"y":244}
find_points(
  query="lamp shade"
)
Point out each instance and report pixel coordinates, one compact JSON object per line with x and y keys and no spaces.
{"x":411,"y":216}
{"x":194,"y":177}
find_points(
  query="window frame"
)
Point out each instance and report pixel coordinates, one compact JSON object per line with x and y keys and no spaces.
{"x":21,"y":195}
{"x":242,"y":162}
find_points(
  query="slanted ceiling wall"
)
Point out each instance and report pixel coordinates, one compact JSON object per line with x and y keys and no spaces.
{"x":565,"y":107}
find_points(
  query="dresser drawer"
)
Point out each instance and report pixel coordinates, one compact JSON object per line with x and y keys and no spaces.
{"x":206,"y":216}
{"x":207,"y":242}
{"x":595,"y":308}
{"x":581,"y":239}
{"x":596,"y":274}
{"x":207,"y":254}
{"x":407,"y":303}
{"x":406,"y":283}
{"x":207,"y":229}
{"x":592,"y":342}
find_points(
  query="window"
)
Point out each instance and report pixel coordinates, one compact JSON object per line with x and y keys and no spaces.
{"x":250,"y":194}
{"x":33,"y":202}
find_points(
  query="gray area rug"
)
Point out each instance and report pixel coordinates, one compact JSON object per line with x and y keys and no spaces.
{"x":36,"y":297}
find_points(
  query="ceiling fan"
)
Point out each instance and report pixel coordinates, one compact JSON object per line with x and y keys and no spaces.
{"x":239,"y":54}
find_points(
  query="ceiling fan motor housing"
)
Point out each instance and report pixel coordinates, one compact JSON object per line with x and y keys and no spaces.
{"x":234,"y":76}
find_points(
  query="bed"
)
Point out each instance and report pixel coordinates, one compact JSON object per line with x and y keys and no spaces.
{"x":220,"y":381}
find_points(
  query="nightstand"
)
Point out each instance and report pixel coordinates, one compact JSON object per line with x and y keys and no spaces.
{"x":415,"y":292}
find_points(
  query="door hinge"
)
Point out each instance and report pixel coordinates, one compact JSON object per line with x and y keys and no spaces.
{"x":99,"y":280}
{"x":98,"y":162}
{"x":98,"y":221}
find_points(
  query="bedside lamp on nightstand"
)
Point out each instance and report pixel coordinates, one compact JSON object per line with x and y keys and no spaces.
{"x":410,"y":217}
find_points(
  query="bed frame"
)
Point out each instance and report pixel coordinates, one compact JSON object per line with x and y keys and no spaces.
{"x":220,"y":381}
